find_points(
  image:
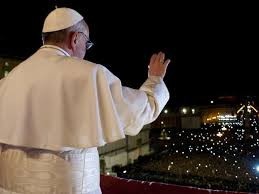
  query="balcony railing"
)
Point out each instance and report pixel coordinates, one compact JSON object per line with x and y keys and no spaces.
{"x":115,"y":185}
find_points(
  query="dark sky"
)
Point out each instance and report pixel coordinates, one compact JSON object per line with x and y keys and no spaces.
{"x":213,"y":47}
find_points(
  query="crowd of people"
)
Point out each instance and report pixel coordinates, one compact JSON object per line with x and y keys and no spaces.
{"x":221,"y":157}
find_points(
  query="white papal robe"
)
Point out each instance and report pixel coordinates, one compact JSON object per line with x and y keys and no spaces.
{"x":55,"y":110}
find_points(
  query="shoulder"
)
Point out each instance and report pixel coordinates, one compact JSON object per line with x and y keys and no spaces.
{"x":104,"y":72}
{"x":83,"y":68}
{"x":99,"y":69}
{"x":79,"y":63}
{"x":71,"y":64}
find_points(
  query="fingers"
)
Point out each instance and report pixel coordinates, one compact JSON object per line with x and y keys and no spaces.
{"x":158,"y":65}
{"x":162,"y":57}
{"x":159,"y":59}
{"x":153,"y":58}
{"x":166,"y":63}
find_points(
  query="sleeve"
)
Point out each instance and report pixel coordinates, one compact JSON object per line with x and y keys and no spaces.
{"x":137,"y":107}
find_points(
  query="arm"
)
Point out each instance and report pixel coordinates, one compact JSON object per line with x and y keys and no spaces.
{"x":153,"y":96}
{"x":136,"y":108}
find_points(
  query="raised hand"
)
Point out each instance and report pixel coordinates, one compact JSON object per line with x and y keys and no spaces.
{"x":158,"y":65}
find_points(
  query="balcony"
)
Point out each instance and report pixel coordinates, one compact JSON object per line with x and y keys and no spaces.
{"x":115,"y":185}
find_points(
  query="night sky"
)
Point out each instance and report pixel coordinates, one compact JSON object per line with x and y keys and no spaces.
{"x":213,"y":47}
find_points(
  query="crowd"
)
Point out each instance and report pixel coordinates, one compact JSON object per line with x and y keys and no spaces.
{"x":213,"y":157}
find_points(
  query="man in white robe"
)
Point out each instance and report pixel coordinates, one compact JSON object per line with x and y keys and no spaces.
{"x":56,"y":109}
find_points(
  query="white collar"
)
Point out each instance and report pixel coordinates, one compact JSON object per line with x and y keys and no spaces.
{"x":65,"y":53}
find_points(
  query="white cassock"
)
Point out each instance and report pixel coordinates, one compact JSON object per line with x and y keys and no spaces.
{"x":55,"y":110}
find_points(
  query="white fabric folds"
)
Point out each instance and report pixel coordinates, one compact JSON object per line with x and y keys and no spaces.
{"x":51,"y":101}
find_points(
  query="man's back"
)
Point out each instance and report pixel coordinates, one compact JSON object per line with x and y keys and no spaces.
{"x":54,"y":101}
{"x":56,"y":108}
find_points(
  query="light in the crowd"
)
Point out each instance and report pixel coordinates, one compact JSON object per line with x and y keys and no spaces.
{"x":211,"y":101}
{"x":165,"y":111}
{"x":193,"y":111}
{"x":219,"y":134}
{"x":184,"y":110}
{"x":223,"y":128}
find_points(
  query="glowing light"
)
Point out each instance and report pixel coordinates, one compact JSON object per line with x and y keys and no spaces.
{"x":184,"y":110}
{"x":224,"y":128}
{"x":219,"y":134}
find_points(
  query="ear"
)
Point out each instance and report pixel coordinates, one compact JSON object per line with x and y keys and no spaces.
{"x":73,"y":41}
